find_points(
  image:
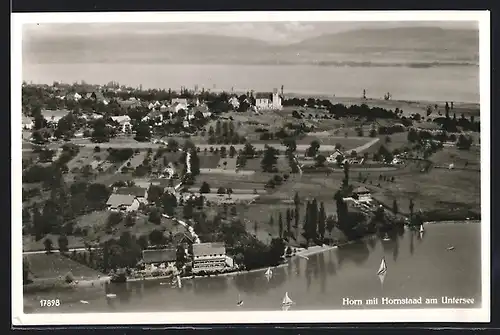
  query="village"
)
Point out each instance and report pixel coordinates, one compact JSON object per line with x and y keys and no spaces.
{"x":151,"y":183}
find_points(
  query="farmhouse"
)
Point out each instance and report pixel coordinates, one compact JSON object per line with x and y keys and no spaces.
{"x":333,"y":157}
{"x":53,"y":116}
{"x":209,"y":256}
{"x":122,"y":202}
{"x":139,"y":193}
{"x":159,"y":256}
{"x":268,"y":100}
{"x":362,"y":194}
{"x":123,"y":121}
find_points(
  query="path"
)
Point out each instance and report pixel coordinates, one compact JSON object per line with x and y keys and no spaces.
{"x":365,"y":146}
{"x":54,"y":251}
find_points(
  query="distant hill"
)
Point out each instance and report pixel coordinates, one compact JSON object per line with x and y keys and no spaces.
{"x":406,"y":38}
{"x":363,"y":47}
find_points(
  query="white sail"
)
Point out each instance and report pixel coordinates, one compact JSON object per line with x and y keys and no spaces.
{"x":269,"y":272}
{"x":240,"y":302}
{"x":421,"y":228}
{"x":287,"y":300}
{"x":179,"y":283}
{"x":383,"y":267}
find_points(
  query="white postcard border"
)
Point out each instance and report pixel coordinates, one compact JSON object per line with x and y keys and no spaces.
{"x":323,"y":316}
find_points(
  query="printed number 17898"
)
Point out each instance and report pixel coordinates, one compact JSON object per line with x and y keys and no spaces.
{"x":50,"y":303}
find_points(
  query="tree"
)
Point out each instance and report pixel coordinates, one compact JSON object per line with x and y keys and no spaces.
{"x":290,"y":144}
{"x":280,"y":225}
{"x":205,"y":188}
{"x":288,"y":223}
{"x":395,"y":206}
{"x":154,"y":216}
{"x":269,"y":160}
{"x":62,"y":241}
{"x":271,"y":221}
{"x":172,"y":145}
{"x":129,"y":220}
{"x":249,"y":150}
{"x":221,"y":190}
{"x":373,"y":132}
{"x":313,"y":149}
{"x":156,"y":237}
{"x":296,"y":202}
{"x":232,"y":151}
{"x":100,"y":131}
{"x":195,"y":163}
{"x":180,"y":255}
{"x":320,"y":160}
{"x":48,"y":245}
{"x":411,"y":206}
{"x":345,"y":181}
{"x":142,"y":132}
{"x":321,"y":221}
{"x":187,"y":210}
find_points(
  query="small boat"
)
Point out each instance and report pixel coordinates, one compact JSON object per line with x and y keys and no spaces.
{"x":239,"y":302}
{"x":386,"y":238}
{"x":286,"y":300}
{"x":269,"y":273}
{"x":84,"y":301}
{"x":382,"y":270}
{"x":450,"y":248}
{"x":110,"y":295}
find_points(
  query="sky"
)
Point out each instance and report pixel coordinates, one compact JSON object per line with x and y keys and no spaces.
{"x":271,"y":32}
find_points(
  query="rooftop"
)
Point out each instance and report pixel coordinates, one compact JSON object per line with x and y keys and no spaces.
{"x":135,"y":191}
{"x":209,"y":248}
{"x":117,"y":200}
{"x":159,"y":256}
{"x":361,"y":189}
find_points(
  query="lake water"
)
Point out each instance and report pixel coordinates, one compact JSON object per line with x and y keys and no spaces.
{"x":440,"y":83}
{"x":417,"y":267}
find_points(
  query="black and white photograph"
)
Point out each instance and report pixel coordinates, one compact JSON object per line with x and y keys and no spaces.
{"x":182,"y":168}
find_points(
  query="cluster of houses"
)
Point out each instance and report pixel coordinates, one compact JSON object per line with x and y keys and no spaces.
{"x":206,"y":257}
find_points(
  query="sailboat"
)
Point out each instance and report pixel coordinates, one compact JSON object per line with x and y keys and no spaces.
{"x":269,"y":273}
{"x":383,"y":267}
{"x":240,"y":301}
{"x":110,"y":295}
{"x":386,"y":238}
{"x":179,"y":283}
{"x":287,"y":302}
{"x":382,"y":271}
{"x":421,"y":229}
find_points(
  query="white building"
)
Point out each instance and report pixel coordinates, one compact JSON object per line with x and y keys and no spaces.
{"x":209,"y":257}
{"x":122,"y":202}
{"x":124,"y":121}
{"x":362,"y":194}
{"x":268,"y":100}
{"x":333,"y":157}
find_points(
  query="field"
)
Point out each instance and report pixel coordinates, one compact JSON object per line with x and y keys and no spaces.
{"x":51,"y":266}
{"x":282,"y":165}
{"x":437,"y":189}
{"x":95,"y":224}
{"x":30,"y":244}
{"x":236,"y":181}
